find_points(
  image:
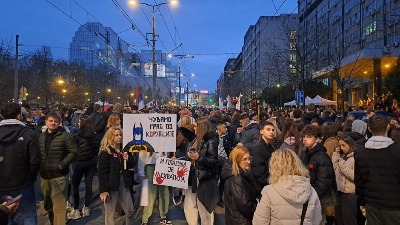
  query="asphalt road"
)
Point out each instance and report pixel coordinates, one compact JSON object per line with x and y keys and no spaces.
{"x":96,"y":217}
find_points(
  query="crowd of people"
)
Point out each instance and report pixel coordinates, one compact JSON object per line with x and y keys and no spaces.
{"x":269,"y":167}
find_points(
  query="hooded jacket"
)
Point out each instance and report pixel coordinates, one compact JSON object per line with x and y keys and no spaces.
{"x":282,"y":203}
{"x":59,"y":153}
{"x":19,"y":155}
{"x":250,"y":135}
{"x":357,"y":137}
{"x":344,"y":171}
{"x":377,"y":174}
{"x":290,"y":143}
{"x":239,"y":196}
{"x":88,"y":144}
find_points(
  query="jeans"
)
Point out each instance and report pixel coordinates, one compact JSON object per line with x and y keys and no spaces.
{"x":123,"y":196}
{"x":27,"y":206}
{"x":81,"y":168}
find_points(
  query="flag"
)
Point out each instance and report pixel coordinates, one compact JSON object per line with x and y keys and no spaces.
{"x":220,"y":99}
{"x":229,"y":104}
{"x":150,"y":104}
{"x":238,"y":102}
{"x":139,"y":99}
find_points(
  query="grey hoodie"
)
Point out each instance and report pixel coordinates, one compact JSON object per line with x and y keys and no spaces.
{"x":282,"y":203}
{"x":378,"y":142}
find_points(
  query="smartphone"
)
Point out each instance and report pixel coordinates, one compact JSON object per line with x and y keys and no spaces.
{"x":14,"y":200}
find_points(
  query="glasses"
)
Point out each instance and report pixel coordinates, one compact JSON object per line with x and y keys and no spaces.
{"x":248,"y":159}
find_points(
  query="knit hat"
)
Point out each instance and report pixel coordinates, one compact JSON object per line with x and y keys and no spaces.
{"x":186,"y":112}
{"x":359,"y":126}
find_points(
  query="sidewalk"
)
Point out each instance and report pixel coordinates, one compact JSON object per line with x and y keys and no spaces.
{"x":96,"y":217}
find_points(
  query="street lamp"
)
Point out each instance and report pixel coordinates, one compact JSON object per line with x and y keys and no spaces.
{"x":179,"y":72}
{"x":154,"y":8}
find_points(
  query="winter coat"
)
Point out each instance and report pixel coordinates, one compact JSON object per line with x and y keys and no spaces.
{"x":249,"y":136}
{"x":282,"y":203}
{"x":58,"y":155}
{"x":358,"y":138}
{"x":206,"y":170}
{"x":260,"y":165}
{"x":377,"y":173}
{"x":88,"y":144}
{"x":307,"y":117}
{"x":239,"y":196}
{"x":99,"y":123}
{"x":344,"y":171}
{"x":19,"y":155}
{"x":110,"y":167}
{"x":322,"y":175}
{"x":232,"y":130}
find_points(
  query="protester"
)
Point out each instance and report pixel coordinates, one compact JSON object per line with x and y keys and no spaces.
{"x":261,"y":154}
{"x":85,"y":164}
{"x":248,"y":132}
{"x":58,"y":149}
{"x":343,"y":164}
{"x":320,"y":167}
{"x":292,"y":139}
{"x":239,"y":192}
{"x":377,"y":175}
{"x":289,"y":199}
{"x":202,"y":195}
{"x":114,"y":181}
{"x":113,"y":121}
{"x":19,"y":161}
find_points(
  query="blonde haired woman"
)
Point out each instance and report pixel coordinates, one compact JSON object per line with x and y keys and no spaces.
{"x":113,"y":121}
{"x":239,"y":192}
{"x":289,"y":199}
{"x":114,"y":181}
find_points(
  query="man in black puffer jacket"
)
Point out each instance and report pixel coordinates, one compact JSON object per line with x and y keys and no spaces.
{"x":57,"y":149}
{"x":19,"y":161}
{"x":322,"y":175}
{"x":377,"y":175}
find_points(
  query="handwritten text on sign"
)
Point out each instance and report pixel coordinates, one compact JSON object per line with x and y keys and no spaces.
{"x":174,"y":173}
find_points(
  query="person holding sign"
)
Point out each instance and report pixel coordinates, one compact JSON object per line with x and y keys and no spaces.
{"x":114,"y":180}
{"x":146,"y":167}
{"x":239,"y":192}
{"x":202,"y":195}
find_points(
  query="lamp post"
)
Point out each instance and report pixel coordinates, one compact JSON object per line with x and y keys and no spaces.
{"x":179,"y":72}
{"x":187,"y":89}
{"x":154,"y":8}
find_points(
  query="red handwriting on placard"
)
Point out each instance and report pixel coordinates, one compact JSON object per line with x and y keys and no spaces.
{"x":182,"y":171}
{"x":159,"y":179}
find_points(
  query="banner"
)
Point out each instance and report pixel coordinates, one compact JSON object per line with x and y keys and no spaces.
{"x":148,"y":70}
{"x":173,"y":173}
{"x":153,"y":132}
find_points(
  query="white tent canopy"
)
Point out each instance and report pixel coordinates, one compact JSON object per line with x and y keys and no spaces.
{"x":318,"y":100}
{"x":293,"y":103}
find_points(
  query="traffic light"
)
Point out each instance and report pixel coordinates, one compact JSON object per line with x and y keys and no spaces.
{"x":211,"y":100}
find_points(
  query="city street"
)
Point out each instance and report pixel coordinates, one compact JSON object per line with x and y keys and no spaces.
{"x":96,"y":215}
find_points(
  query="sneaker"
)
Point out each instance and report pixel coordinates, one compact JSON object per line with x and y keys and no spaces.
{"x":144,"y":223}
{"x":69,"y":206}
{"x":165,"y":220}
{"x":74,"y":214}
{"x":85,"y":211}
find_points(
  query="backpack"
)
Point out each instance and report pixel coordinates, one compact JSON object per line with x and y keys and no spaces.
{"x":75,"y":119}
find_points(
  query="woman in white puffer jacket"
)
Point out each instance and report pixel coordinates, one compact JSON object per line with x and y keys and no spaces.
{"x":282,"y":201}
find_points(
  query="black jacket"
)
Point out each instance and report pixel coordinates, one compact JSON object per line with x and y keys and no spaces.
{"x":19,"y":156}
{"x":206,"y":170}
{"x":88,"y":144}
{"x":227,"y":143}
{"x":62,"y":150}
{"x":260,"y":165}
{"x":307,"y":117}
{"x":377,"y":177}
{"x":358,"y":138}
{"x":110,"y":168}
{"x":99,"y":122}
{"x":239,"y":196}
{"x":322,"y":175}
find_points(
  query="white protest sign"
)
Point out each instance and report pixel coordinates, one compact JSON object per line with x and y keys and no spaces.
{"x":153,"y":132}
{"x":174,"y":173}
